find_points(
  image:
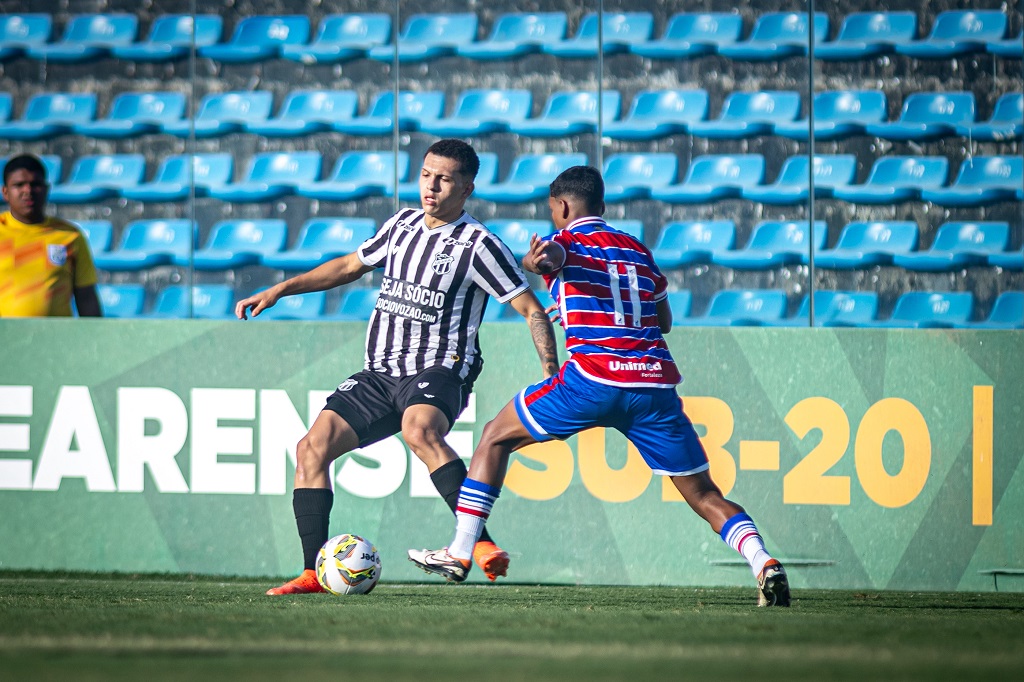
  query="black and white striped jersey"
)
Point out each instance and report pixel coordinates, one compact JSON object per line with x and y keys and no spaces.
{"x":434,"y":291}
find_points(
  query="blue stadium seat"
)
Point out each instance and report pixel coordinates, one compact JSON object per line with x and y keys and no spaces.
{"x":121,"y":300}
{"x":308,"y":306}
{"x":88,"y":37}
{"x":304,"y":112}
{"x":236,"y":243}
{"x":481,"y":112}
{"x":742,"y":308}
{"x":429,"y":36}
{"x":135,"y":113}
{"x":620,"y":31}
{"x":777,"y":35}
{"x":18,"y":32}
{"x":529,"y":177}
{"x":356,"y":304}
{"x":48,"y":114}
{"x":792,"y":185}
{"x":1007,"y":313}
{"x":342,"y":37}
{"x":173,"y":181}
{"x":692,"y":34}
{"x":170,"y":38}
{"x":894,"y":179}
{"x":1006,"y":122}
{"x":748,"y":114}
{"x":199,"y":301}
{"x":149,"y":243}
{"x":570,"y":113}
{"x":864,"y":35}
{"x":518,"y":34}
{"x":655,"y":114}
{"x":6,"y":106}
{"x":413,"y":109}
{"x":958,"y":245}
{"x":98,"y":233}
{"x":682,"y":243}
{"x":320,"y":240}
{"x":680,"y":302}
{"x":930,"y":310}
{"x":51,"y":162}
{"x":98,"y":177}
{"x":1011,"y":48}
{"x":957,"y":32}
{"x":775,"y":243}
{"x":359,"y":174}
{"x":486,"y":176}
{"x":261,"y":37}
{"x":516,"y":233}
{"x":837,"y":309}
{"x":838,"y":114}
{"x":271,"y":175}
{"x":629,"y":176}
{"x":713,"y":177}
{"x":221,"y":113}
{"x":863,"y":245}
{"x":927,"y":116}
{"x":1008,"y":260}
{"x":981,"y":181}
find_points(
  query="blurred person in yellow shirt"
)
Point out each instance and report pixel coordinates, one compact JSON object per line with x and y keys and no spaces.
{"x":43,"y":260}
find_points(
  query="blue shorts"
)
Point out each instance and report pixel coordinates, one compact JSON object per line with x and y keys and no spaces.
{"x":651,"y":418}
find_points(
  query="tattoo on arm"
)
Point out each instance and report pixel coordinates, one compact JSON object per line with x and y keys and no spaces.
{"x":544,"y":339}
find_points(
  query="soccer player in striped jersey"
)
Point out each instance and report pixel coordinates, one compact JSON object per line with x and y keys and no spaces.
{"x":422,"y":353}
{"x":612,"y":302}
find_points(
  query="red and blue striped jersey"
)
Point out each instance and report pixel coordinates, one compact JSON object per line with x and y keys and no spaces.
{"x":607,"y":292}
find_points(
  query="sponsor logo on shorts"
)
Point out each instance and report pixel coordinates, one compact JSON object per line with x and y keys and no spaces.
{"x":427,"y":395}
{"x":347,"y":385}
{"x":423,"y":384}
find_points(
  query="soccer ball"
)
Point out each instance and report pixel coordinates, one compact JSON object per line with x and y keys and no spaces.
{"x":348,"y":564}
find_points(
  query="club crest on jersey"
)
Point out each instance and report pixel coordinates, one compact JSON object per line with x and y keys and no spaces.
{"x":442,"y":263}
{"x":452,"y":241}
{"x":57,"y":253}
{"x":347,"y":385}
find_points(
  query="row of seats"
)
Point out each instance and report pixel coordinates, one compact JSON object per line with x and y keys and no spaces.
{"x":341,"y":37}
{"x":979,"y":181}
{"x":653,"y":114}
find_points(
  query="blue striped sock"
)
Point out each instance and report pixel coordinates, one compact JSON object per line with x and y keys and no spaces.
{"x":474,"y":507}
{"x":740,"y":533}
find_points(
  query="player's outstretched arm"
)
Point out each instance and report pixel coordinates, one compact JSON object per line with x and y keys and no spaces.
{"x":527,"y":305}
{"x":333,"y":273}
{"x":544,"y":257}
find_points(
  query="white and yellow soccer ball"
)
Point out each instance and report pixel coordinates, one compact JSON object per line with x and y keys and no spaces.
{"x":348,"y":564}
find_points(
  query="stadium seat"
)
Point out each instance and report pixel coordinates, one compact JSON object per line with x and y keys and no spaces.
{"x":742,"y":308}
{"x":1007,"y":313}
{"x":680,"y":303}
{"x":894,"y":179}
{"x":773,"y":244}
{"x":632,"y":176}
{"x":1011,"y":48}
{"x":866,"y":244}
{"x":429,"y":36}
{"x":320,"y":240}
{"x":1008,"y":260}
{"x":259,"y":37}
{"x":413,"y":109}
{"x":6,"y":106}
{"x":148,"y":243}
{"x":620,"y":31}
{"x":359,"y":174}
{"x":958,"y":245}
{"x":51,"y":162}
{"x":570,"y":113}
{"x":517,"y":34}
{"x":981,"y":181}
{"x":342,"y":37}
{"x":98,"y":177}
{"x":682,"y":243}
{"x":957,"y":32}
{"x":928,"y":310}
{"x":173,"y":181}
{"x":792,"y":185}
{"x":748,"y":114}
{"x":498,"y":312}
{"x":713,"y":177}
{"x":1006,"y":122}
{"x":271,"y":175}
{"x":927,"y":116}
{"x":221,"y":113}
{"x":836,"y":309}
{"x":529,"y":177}
{"x":121,"y":300}
{"x":304,"y":112}
{"x":88,"y":37}
{"x":18,"y":32}
{"x":356,"y":304}
{"x":98,"y":233}
{"x":236,"y":243}
{"x":135,"y":113}
{"x":655,"y":114}
{"x":48,"y":114}
{"x":308,"y":306}
{"x":482,"y":112}
{"x":516,"y":233}
{"x":864,"y":35}
{"x":487,"y":175}
{"x":692,"y":34}
{"x":777,"y":35}
{"x":171,"y":36}
{"x":838,"y":114}
{"x":199,"y":301}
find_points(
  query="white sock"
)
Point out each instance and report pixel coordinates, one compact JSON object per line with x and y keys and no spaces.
{"x":471,"y":513}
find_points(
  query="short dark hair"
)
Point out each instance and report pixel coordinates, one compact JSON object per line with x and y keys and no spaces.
{"x":28,"y":162}
{"x":449,"y":148}
{"x":583,"y":183}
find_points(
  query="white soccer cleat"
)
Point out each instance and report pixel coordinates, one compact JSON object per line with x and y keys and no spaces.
{"x":440,"y":562}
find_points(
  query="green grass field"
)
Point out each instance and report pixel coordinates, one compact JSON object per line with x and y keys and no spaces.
{"x":114,"y":627}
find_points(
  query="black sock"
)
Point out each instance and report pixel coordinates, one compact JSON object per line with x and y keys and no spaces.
{"x":448,"y":479}
{"x":312,"y":508}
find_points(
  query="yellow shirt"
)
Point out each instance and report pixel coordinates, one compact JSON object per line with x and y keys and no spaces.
{"x":41,"y":266}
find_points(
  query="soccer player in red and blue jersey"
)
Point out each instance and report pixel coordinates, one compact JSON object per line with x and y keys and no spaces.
{"x":612,"y":302}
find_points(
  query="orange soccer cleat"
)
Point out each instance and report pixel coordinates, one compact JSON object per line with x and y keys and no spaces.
{"x":491,"y":559}
{"x":304,"y":584}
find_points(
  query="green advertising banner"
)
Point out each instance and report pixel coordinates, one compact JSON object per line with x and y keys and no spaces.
{"x":868,"y":458}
